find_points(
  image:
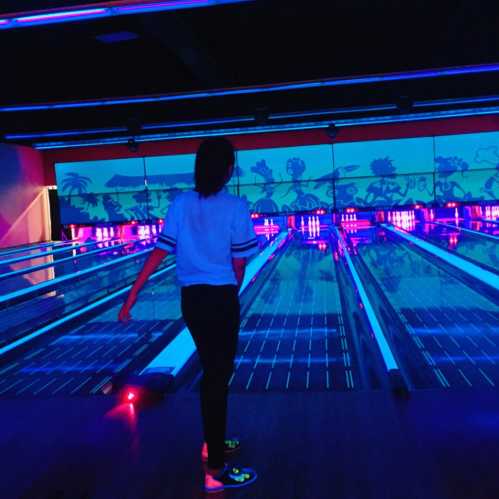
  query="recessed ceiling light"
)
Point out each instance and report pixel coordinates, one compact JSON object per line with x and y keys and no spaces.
{"x":116,"y":37}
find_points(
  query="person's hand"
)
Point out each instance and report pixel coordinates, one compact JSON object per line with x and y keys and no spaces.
{"x":124,"y":314}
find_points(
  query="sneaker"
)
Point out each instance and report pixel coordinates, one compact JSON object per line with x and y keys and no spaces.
{"x":231,"y":477}
{"x":231,"y":445}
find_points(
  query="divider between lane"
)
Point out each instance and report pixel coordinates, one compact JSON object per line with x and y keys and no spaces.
{"x":469,"y":268}
{"x":471,"y":231}
{"x":387,"y":354}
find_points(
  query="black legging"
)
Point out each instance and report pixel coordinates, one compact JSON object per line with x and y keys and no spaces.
{"x":212,"y":316}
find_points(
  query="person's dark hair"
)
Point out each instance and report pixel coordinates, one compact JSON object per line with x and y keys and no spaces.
{"x":213,"y":161}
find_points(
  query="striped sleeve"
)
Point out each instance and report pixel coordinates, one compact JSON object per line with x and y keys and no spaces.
{"x":243,"y":238}
{"x":167,"y":240}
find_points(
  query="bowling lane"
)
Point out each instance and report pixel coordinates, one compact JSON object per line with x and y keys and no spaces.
{"x":479,"y":249}
{"x":31,"y":308}
{"x":490,"y":228}
{"x":445,"y":333}
{"x":26,"y":274}
{"x":297,"y":330}
{"x":82,"y":358}
{"x":86,"y":356}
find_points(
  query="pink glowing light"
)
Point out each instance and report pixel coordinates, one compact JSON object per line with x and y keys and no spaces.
{"x":163,"y":5}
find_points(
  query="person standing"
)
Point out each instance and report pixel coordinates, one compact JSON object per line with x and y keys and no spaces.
{"x":212,"y":235}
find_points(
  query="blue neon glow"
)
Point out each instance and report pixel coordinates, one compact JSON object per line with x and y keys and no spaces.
{"x":69,"y":133}
{"x":271,"y":128}
{"x":330,"y":82}
{"x":76,"y":15}
{"x":60,"y":15}
{"x":152,"y":126}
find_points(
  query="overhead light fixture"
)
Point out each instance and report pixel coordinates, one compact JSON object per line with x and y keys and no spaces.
{"x":257,"y":89}
{"x":404,"y":103}
{"x":332,"y":131}
{"x":132,"y":144}
{"x":398,"y":118}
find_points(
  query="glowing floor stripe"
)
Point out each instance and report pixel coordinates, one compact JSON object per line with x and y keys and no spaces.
{"x":475,"y":232}
{"x":386,"y":352}
{"x":73,"y":315}
{"x":177,"y":353}
{"x":468,"y":267}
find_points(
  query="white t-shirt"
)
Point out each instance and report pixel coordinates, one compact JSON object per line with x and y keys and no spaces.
{"x":206,"y":233}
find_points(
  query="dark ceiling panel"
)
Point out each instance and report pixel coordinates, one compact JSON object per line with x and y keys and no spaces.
{"x":266,"y":41}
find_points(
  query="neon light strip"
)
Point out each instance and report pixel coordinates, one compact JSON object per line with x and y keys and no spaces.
{"x":386,"y":352}
{"x":50,"y":284}
{"x":60,"y":15}
{"x":178,"y":352}
{"x":179,"y":124}
{"x":183,"y":124}
{"x":75,"y":15}
{"x":267,"y":128}
{"x":164,"y":6}
{"x":471,"y":231}
{"x":73,"y":315}
{"x":465,"y":100}
{"x":280,"y":87}
{"x":469,"y":268}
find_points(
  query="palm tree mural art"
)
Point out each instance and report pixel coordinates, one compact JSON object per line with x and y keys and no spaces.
{"x":75,"y":182}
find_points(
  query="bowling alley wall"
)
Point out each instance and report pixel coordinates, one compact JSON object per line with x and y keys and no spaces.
{"x":370,"y":173}
{"x":24,"y":208}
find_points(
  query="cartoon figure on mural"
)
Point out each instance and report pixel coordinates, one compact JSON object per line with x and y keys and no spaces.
{"x":489,"y":157}
{"x":345,"y":193}
{"x":386,"y":191}
{"x":265,"y":204}
{"x":446,"y":189}
{"x":295,"y":168}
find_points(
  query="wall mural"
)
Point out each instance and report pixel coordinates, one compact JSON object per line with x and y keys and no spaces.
{"x":467,"y":167}
{"x":377,"y":173}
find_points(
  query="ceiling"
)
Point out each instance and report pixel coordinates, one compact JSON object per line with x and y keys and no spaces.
{"x":231,"y":46}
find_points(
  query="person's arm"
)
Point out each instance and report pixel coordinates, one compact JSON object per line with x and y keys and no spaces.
{"x":239,"y":266}
{"x":243,"y":240}
{"x":150,"y":265}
